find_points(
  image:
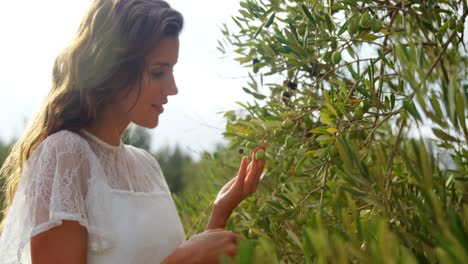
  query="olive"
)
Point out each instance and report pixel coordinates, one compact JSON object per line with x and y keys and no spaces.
{"x":250,"y":145}
{"x":289,"y":141}
{"x":288,"y":124}
{"x":292,"y":85}
{"x":260,"y":155}
{"x":336,"y":57}
{"x":376,"y":25}
{"x":365,"y":20}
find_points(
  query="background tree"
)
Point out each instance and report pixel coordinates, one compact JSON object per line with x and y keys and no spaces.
{"x":138,"y":137}
{"x":176,"y":166}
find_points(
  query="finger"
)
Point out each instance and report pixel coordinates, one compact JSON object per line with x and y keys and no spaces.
{"x":260,"y":143}
{"x":230,"y":251}
{"x":252,"y":175}
{"x":249,"y":168}
{"x":260,"y":170}
{"x":261,"y":166}
{"x":219,"y":229}
{"x":235,"y":237}
{"x":263,"y":144}
{"x":242,"y":170}
{"x":254,"y":160}
{"x":228,"y":185}
{"x":254,"y":154}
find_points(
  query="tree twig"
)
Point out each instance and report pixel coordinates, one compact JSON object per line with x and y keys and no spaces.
{"x":298,"y":206}
{"x":387,"y":116}
{"x":324,"y":184}
{"x":388,"y":186}
{"x":439,"y":56}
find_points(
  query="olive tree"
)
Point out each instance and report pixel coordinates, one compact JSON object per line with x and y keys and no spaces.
{"x":363,"y":105}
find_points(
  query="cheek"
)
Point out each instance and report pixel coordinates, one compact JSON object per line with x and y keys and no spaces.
{"x":149,"y":94}
{"x":130,"y":101}
{"x":151,"y":91}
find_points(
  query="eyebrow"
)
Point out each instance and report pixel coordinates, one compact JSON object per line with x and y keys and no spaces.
{"x":161,"y":64}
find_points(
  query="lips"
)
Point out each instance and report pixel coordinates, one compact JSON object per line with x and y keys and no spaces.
{"x":158,"y":108}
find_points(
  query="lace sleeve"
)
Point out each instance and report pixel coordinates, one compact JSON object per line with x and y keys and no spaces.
{"x":53,"y":187}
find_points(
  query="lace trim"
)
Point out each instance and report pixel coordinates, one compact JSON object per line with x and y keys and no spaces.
{"x":101,"y":142}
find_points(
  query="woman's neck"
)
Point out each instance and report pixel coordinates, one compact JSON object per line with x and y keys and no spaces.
{"x":108,"y":127}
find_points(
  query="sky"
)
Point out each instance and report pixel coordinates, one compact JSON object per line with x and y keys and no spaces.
{"x":33,"y":32}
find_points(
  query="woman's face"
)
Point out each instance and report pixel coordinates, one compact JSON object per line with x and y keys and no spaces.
{"x":157,"y":84}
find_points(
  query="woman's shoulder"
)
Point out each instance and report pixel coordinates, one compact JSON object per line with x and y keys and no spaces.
{"x":63,"y":141}
{"x":145,"y":155}
{"x":141,"y":152}
{"x":60,"y":150}
{"x":63,"y":136}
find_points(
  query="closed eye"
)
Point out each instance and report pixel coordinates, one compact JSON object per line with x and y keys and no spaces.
{"x":158,"y":74}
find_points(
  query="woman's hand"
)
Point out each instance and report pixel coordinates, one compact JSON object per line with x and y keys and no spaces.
{"x":206,"y":248}
{"x":237,"y":189}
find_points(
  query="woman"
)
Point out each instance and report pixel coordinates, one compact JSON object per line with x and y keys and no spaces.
{"x":75,"y":193}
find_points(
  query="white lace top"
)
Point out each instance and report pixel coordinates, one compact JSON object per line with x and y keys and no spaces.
{"x":117,"y":192}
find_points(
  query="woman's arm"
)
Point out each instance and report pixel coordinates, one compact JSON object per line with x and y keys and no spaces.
{"x":66,"y":243}
{"x":205,"y":248}
{"x":237,"y":189}
{"x":216,"y":220}
{"x":180,"y":255}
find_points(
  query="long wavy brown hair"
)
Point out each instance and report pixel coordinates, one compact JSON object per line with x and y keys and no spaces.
{"x":103,"y":63}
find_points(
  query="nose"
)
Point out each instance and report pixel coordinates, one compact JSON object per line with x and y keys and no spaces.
{"x":171,"y":88}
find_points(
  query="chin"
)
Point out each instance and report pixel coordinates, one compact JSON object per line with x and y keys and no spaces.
{"x":154,"y":125}
{"x":149,"y":123}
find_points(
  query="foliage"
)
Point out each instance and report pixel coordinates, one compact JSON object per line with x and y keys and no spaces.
{"x":204,"y":180}
{"x":138,"y":137}
{"x":367,"y":157}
